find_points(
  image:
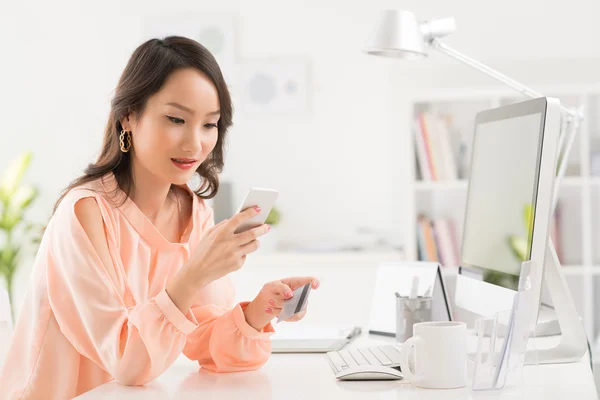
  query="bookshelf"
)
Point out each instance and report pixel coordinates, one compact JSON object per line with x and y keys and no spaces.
{"x":441,"y":196}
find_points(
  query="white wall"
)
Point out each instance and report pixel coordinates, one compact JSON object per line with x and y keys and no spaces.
{"x":340,"y":167}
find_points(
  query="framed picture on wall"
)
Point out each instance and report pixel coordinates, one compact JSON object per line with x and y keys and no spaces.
{"x":274,"y":86}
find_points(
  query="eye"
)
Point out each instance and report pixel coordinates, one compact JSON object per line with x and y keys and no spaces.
{"x":175,"y":120}
{"x":211,"y":126}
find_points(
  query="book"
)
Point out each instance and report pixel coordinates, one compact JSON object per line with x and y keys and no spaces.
{"x":430,"y":247}
{"x":448,"y":256}
{"x":421,"y":153}
{"x":433,"y":147}
{"x":447,"y":159}
{"x":428,"y":146}
{"x":437,"y":240}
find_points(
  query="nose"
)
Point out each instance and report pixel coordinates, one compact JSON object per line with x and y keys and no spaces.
{"x":193,"y":142}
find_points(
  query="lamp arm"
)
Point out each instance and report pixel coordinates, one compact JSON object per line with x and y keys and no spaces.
{"x":442,"y":47}
{"x":572,"y":120}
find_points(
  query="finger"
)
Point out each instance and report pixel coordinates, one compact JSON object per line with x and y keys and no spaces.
{"x":280,"y":288}
{"x":216,"y":227}
{"x":242,"y":216}
{"x":249,"y":247}
{"x":274,"y":311}
{"x":276,"y":301}
{"x":296,"y":282}
{"x":252,"y":234}
{"x":297,"y":317}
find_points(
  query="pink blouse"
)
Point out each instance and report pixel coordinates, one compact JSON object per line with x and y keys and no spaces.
{"x":84,"y":324}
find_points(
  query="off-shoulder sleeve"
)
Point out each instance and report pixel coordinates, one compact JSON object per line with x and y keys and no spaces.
{"x":134,"y":344}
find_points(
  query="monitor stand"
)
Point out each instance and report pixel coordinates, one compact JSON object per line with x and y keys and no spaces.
{"x":573,"y":340}
{"x":547,"y":323}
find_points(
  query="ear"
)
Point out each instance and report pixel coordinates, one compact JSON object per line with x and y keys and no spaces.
{"x":129,"y":122}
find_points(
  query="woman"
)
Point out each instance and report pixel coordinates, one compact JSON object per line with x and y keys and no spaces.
{"x":131,"y":270}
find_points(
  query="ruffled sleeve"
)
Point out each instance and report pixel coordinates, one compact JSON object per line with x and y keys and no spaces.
{"x":224,"y":342}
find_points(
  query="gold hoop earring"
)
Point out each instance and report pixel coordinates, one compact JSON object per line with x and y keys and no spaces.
{"x":125,"y":141}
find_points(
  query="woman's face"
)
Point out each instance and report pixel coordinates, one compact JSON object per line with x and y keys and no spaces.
{"x":178,"y":127}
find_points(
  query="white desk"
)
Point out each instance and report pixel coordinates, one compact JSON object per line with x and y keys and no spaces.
{"x":309,"y":376}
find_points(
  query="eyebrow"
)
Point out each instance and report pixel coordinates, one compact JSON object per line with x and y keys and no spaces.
{"x":189,"y":110}
{"x":182,"y":107}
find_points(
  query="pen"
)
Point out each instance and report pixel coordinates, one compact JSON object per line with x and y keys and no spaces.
{"x":428,"y":292}
{"x":355,"y":332}
{"x":415,"y":287}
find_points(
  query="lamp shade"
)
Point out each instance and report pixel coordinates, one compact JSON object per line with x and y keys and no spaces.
{"x":396,"y":34}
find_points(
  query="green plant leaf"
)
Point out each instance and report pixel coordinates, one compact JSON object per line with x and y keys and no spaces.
{"x":274,"y":217}
{"x":10,"y":219}
{"x":528,"y":213}
{"x":519,"y":247}
{"x":13,"y":175}
{"x":17,"y":203}
{"x":501,"y":279}
{"x":22,"y":198}
{"x":528,"y":216}
{"x":3,"y":267}
{"x":9,"y":256}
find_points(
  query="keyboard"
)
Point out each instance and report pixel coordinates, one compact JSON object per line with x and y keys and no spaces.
{"x":387,"y":355}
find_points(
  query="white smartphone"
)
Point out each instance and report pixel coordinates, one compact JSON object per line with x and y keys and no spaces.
{"x":265,"y":199}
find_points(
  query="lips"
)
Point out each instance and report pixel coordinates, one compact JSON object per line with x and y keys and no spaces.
{"x":184,"y":163}
{"x":184,"y":160}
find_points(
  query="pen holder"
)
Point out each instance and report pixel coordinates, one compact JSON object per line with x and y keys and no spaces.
{"x":503,"y":344}
{"x":500,"y":355}
{"x":409,"y":312}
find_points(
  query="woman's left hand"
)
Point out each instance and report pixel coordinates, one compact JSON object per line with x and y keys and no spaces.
{"x":269,"y":301}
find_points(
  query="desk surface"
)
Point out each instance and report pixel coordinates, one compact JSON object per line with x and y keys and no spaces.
{"x":309,"y":376}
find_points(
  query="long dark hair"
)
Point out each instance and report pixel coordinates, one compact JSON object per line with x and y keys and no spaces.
{"x":147,"y":70}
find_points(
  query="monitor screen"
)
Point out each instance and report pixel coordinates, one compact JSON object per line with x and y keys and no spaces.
{"x":503,"y":184}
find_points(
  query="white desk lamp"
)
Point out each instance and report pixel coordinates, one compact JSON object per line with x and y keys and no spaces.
{"x":398,"y":34}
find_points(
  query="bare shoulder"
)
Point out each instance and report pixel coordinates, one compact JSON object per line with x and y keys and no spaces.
{"x":88,"y":213}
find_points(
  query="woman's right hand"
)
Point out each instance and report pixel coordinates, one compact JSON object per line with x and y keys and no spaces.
{"x":220,"y":252}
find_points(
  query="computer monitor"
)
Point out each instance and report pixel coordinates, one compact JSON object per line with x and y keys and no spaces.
{"x":509,"y":203}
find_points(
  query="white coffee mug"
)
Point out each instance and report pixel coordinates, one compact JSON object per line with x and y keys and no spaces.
{"x":440,"y":355}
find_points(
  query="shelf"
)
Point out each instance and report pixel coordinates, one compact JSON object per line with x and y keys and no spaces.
{"x":568,"y":181}
{"x":595,"y":270}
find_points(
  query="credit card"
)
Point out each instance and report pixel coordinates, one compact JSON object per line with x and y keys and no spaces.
{"x":296,"y":304}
